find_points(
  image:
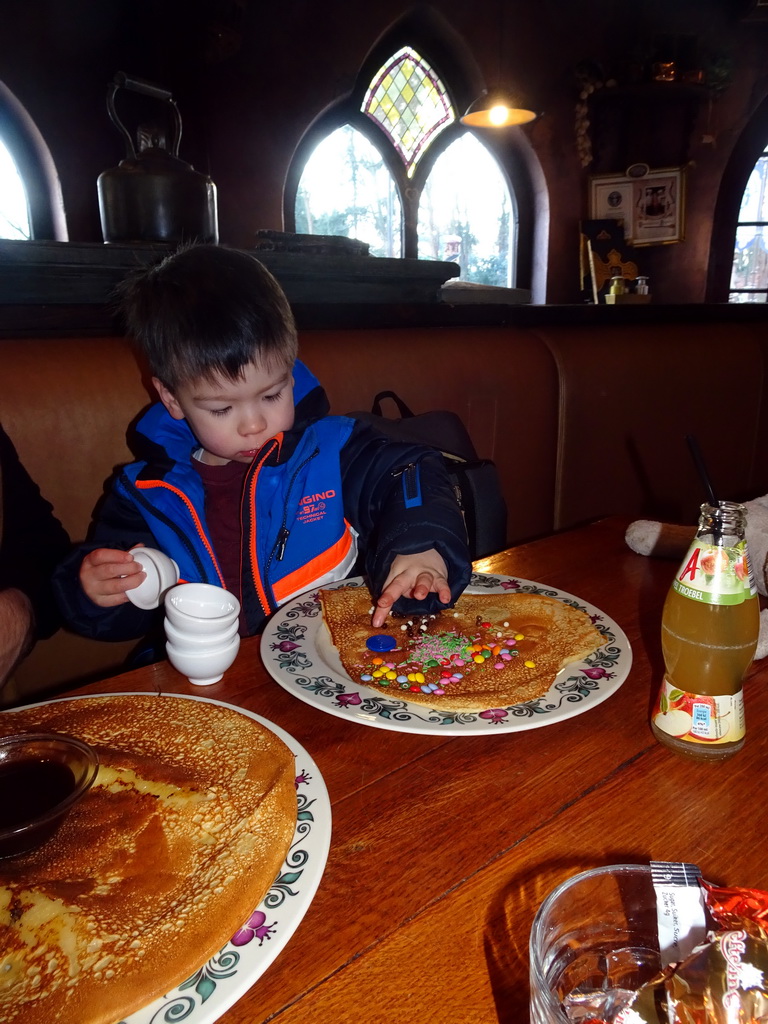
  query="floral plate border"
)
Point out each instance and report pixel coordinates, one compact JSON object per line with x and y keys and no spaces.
{"x":220,"y":982}
{"x":289,"y":652}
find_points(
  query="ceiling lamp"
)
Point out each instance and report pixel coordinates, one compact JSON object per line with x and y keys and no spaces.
{"x":497,"y":109}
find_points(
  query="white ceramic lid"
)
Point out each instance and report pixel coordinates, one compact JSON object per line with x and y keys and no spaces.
{"x":162,"y":573}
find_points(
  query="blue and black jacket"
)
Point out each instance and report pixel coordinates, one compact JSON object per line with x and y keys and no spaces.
{"x":328,"y":499}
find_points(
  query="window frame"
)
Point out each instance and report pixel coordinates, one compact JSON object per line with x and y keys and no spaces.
{"x":750,"y":224}
{"x":426,"y":31}
{"x":348,"y":112}
{"x":747,"y":150}
{"x":36,"y":168}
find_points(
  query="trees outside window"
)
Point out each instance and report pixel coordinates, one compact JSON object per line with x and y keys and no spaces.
{"x":346,"y":189}
{"x":401,"y":173}
{"x":466,"y":214}
{"x":14,"y":211}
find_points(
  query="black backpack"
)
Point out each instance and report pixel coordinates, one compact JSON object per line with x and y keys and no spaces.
{"x":475,"y":480}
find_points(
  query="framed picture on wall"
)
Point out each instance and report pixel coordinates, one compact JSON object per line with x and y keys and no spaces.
{"x":650,"y":206}
{"x":611,"y":199}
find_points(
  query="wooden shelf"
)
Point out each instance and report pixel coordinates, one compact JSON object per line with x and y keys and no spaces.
{"x":40,"y":273}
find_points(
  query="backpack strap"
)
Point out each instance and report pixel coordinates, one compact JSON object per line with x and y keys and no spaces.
{"x":403,"y":409}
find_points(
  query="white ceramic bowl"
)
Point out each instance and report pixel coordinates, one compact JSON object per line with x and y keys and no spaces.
{"x":201,"y":607}
{"x":206,"y":667}
{"x":190,"y":640}
{"x":162,"y":573}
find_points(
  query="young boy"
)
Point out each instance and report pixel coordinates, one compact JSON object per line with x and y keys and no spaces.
{"x":244,"y":478}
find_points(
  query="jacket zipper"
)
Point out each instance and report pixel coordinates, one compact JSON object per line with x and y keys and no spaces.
{"x":182,"y":537}
{"x":278,"y":551}
{"x":282,"y":540}
{"x":411,"y":484}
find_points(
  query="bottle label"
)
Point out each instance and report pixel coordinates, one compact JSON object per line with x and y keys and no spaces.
{"x":716,"y":575}
{"x":680,"y":912}
{"x":696,"y":718}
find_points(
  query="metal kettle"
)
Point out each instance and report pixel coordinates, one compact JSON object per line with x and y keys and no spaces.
{"x":153,"y":196}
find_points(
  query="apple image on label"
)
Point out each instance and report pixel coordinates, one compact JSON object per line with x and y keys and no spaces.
{"x":674,"y":723}
{"x":688,"y":701}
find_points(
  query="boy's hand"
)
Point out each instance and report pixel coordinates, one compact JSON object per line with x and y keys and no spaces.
{"x":106,"y":574}
{"x":413,"y":576}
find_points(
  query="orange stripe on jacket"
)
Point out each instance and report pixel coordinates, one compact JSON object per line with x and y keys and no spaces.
{"x":303,"y":578}
{"x":254,"y":560}
{"x":147,"y":484}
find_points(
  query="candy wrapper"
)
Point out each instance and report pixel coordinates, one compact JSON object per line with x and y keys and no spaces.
{"x":723,"y":981}
{"x":737,"y":908}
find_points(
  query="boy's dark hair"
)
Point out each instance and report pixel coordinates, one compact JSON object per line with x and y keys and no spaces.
{"x":206,"y":311}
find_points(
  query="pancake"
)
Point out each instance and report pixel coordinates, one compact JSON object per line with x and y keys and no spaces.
{"x":489,"y":651}
{"x":182,"y":833}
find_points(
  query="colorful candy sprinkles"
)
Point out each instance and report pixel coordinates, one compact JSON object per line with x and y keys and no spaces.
{"x":450,"y":653}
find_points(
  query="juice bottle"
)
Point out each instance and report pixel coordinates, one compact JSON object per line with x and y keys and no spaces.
{"x":709,"y":631}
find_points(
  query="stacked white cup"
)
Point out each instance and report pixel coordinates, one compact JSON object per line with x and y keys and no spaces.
{"x":201,"y":623}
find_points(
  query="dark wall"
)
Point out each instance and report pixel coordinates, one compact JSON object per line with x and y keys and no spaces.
{"x":250,"y":78}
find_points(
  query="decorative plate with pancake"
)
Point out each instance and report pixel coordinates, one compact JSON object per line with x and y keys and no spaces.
{"x":512,"y":655}
{"x":171,"y":766}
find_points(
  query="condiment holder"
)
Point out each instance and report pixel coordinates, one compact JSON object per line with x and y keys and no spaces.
{"x":201,"y":622}
{"x":42,"y":777}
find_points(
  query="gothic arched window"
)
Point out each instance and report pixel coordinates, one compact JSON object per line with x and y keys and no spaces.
{"x":31,"y":205}
{"x":392,"y":166}
{"x":749,"y":275}
{"x":14,"y":209}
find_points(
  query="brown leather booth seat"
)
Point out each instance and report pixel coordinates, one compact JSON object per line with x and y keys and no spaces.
{"x":66,"y":403}
{"x":629,"y":397}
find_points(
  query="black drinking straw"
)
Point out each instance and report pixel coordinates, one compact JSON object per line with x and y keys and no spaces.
{"x":698,"y":459}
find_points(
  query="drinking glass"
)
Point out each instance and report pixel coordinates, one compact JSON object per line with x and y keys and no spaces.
{"x":595,"y":933}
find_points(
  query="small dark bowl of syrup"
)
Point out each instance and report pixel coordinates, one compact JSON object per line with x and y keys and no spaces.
{"x":42,"y":776}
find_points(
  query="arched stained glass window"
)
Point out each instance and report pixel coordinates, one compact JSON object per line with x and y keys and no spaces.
{"x":409,"y":102}
{"x":391,"y":165}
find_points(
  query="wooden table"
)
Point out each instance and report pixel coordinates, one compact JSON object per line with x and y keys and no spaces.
{"x":444,"y":847}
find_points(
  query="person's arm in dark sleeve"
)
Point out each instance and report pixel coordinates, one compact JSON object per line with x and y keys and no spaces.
{"x":401,"y":501}
{"x":33,"y":541}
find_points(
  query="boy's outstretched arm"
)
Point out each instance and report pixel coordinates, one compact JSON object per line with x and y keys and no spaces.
{"x":422,"y":537}
{"x":416,"y":576}
{"x":82,"y":584}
